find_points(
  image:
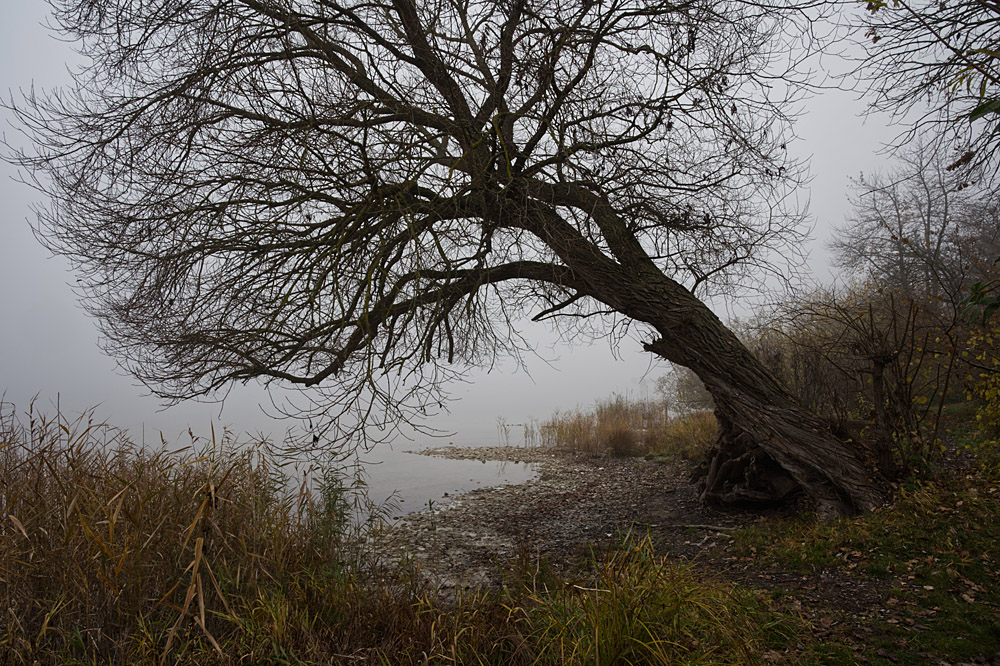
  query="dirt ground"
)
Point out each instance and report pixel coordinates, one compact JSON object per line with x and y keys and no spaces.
{"x":580,"y":504}
{"x":577,"y":504}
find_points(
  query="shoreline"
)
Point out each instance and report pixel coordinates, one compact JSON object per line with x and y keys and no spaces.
{"x":577,"y":504}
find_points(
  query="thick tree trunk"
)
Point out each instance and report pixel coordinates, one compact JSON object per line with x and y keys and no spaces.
{"x":764,"y":428}
{"x":769,"y":445}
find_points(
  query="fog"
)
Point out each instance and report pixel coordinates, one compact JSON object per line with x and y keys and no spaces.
{"x":50,"y":350}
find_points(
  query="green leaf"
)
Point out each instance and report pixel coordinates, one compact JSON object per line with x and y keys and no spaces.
{"x":992,"y":106}
{"x":990,"y":309}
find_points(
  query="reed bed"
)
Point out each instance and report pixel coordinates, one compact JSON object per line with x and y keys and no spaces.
{"x":625,"y":427}
{"x":115,"y":554}
{"x":122,"y":554}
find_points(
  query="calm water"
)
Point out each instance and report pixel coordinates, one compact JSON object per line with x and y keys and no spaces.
{"x":414,"y":481}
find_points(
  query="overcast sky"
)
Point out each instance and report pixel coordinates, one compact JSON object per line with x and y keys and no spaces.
{"x":48,"y":347}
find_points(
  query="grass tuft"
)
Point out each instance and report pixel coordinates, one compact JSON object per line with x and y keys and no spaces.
{"x":641,"y":608}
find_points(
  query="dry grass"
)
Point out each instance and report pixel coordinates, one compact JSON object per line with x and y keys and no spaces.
{"x":628,"y":428}
{"x":110,"y":554}
{"x":122,"y":554}
{"x":687,"y":436}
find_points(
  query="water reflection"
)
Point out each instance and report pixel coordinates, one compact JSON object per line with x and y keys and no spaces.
{"x":415,"y":482}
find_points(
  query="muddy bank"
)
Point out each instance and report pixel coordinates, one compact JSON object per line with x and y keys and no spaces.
{"x":578,"y":503}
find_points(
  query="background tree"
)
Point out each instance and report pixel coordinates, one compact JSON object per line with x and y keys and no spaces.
{"x":936,"y":66}
{"x":682,"y":389}
{"x":881,"y":356}
{"x":939,"y":63}
{"x":920,"y":229}
{"x":363,"y":198}
{"x":887,"y":363}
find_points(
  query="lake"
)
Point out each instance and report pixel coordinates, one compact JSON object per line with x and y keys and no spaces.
{"x":418,"y":482}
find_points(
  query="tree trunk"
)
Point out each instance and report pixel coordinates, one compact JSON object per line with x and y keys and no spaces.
{"x":769,"y":444}
{"x":766,"y":433}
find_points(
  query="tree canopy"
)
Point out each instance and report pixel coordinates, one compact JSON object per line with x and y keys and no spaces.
{"x":303,"y":190}
{"x":363,"y":197}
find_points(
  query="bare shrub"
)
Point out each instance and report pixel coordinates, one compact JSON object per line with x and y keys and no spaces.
{"x":623,"y":443}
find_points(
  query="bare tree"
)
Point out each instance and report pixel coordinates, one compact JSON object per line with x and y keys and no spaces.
{"x":935,"y":65}
{"x":920,"y":229}
{"x":683,"y":391}
{"x":364,"y":196}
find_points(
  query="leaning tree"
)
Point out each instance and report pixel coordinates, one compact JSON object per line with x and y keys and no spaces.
{"x":364,"y":197}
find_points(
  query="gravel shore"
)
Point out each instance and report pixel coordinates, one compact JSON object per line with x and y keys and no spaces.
{"x":578,"y":503}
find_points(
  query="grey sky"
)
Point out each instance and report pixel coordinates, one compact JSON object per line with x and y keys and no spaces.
{"x":49,"y":347}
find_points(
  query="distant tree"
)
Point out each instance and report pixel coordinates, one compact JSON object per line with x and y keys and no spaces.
{"x":682,"y":389}
{"x":363,"y":197}
{"x":919,"y":229}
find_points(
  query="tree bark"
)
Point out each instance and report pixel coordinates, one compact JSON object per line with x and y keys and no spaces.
{"x":769,"y":444}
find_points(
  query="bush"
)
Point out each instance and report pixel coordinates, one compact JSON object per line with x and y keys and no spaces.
{"x":688,"y":437}
{"x":623,"y":442}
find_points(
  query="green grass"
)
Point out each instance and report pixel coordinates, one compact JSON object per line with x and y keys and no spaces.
{"x":644,"y":609}
{"x":936,"y":549}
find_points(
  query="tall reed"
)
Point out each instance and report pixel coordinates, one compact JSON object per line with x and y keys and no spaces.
{"x":113,"y":554}
{"x":625,"y":427}
{"x":120,"y":553}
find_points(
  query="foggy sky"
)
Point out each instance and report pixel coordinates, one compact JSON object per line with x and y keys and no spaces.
{"x":48,"y":347}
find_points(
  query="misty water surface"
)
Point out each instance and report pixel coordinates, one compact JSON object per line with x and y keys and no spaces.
{"x":414,"y":482}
